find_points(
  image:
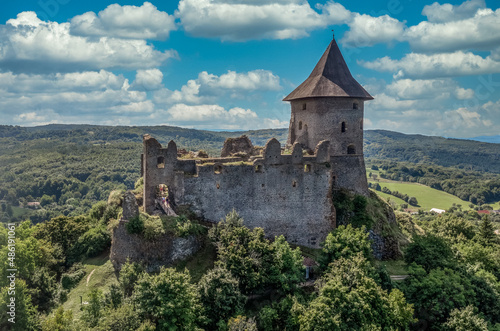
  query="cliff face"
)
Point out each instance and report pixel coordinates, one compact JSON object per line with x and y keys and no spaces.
{"x":164,"y":251}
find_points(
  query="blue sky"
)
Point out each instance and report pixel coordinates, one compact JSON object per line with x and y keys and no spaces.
{"x":433,"y":67}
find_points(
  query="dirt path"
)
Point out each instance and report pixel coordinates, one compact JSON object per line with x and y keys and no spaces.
{"x":88,"y":277}
{"x":399,"y":277}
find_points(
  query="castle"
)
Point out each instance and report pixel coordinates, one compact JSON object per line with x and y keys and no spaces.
{"x":286,"y":194}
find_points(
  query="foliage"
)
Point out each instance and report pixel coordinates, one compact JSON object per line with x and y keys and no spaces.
{"x":185,"y":227}
{"x":346,"y":242}
{"x":136,"y":224}
{"x":437,"y":293}
{"x":91,"y":243}
{"x":220,"y":296}
{"x":153,"y":227}
{"x":465,"y":319}
{"x":241,"y":323}
{"x":129,"y":275}
{"x":25,"y":314}
{"x":61,"y":320}
{"x":72,"y":277}
{"x":62,"y":230}
{"x":168,"y":298}
{"x":42,"y":289}
{"x":120,"y":318}
{"x":93,"y":311}
{"x":486,"y":233}
{"x":350,"y":300}
{"x":286,"y":269}
{"x":429,"y":251}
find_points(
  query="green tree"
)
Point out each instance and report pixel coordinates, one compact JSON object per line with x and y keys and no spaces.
{"x":121,"y":318}
{"x":169,"y":299}
{"x":9,"y":210}
{"x":350,"y":300}
{"x":465,"y":319}
{"x":486,"y":234}
{"x":94,"y":310}
{"x":220,"y":295}
{"x":287,"y":269}
{"x":429,"y":251}
{"x":60,"y":320}
{"x":25,"y":313}
{"x":437,"y":293}
{"x":241,"y":323}
{"x":129,"y":275}
{"x":345,"y":242}
{"x":413,"y":201}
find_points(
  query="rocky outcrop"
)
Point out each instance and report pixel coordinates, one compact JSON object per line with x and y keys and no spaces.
{"x":129,"y":205}
{"x":386,"y":235}
{"x":164,"y":251}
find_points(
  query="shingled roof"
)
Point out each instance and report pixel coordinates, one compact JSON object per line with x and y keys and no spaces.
{"x":330,"y":78}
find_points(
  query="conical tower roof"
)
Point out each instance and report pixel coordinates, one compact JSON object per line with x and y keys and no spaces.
{"x":330,"y":78}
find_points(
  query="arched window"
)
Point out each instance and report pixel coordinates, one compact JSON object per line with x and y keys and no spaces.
{"x":361,"y":124}
{"x":304,"y":106}
{"x":343,"y":126}
{"x":351,"y":149}
{"x":355,"y":105}
{"x":300,"y":125}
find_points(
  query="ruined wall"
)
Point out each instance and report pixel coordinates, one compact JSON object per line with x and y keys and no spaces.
{"x":316,"y":119}
{"x":163,"y":251}
{"x":286,"y":195}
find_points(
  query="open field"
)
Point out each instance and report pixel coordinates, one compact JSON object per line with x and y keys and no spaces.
{"x":427,"y":197}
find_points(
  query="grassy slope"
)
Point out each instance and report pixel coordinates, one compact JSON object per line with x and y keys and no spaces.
{"x":102,"y":278}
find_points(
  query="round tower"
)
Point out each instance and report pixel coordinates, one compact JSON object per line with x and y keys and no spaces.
{"x":329,"y":105}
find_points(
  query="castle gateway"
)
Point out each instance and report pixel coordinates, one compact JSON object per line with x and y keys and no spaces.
{"x":286,"y":193}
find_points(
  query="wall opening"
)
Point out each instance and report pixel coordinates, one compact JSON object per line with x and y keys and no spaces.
{"x":218,"y":186}
{"x":300,"y":125}
{"x":355,"y":105}
{"x":258,"y":168}
{"x":307,"y":168}
{"x":304,"y":106}
{"x":294,"y":183}
{"x":343,"y":127}
{"x":361,"y":124}
{"x":160,"y":162}
{"x":351,"y":149}
{"x":217,"y":168}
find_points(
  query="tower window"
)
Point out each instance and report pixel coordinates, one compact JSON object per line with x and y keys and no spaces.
{"x":351,"y":149}
{"x":343,"y":127}
{"x":361,"y":125}
{"x":160,"y":162}
{"x":355,"y":105}
{"x":304,"y":106}
{"x":307,"y":168}
{"x":300,"y":125}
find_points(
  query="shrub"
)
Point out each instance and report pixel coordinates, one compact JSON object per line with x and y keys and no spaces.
{"x":153,"y":228}
{"x":135,"y":225}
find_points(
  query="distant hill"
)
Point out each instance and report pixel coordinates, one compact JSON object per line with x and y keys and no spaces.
{"x":378,"y":144}
{"x":461,"y":153}
{"x":487,"y":139}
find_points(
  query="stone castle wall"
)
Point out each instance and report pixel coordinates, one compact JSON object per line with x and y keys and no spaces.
{"x":286,"y":195}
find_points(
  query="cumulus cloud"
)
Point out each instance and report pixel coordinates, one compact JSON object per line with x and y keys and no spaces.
{"x":144,"y":22}
{"x":414,"y":65}
{"x":207,"y":86}
{"x":366,"y":30}
{"x":447,"y":12}
{"x":28,"y":44}
{"x":148,"y":80}
{"x":428,"y":89}
{"x":244,"y":20}
{"x":216,"y":117}
{"x":479,"y":32}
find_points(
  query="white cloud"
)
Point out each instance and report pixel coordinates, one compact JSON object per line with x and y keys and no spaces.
{"x":144,"y":22}
{"x":148,"y":80}
{"x":428,"y":89}
{"x":216,"y":117}
{"x":207,"y":86}
{"x":366,"y":30}
{"x":385,"y":102}
{"x":244,"y":20}
{"x":414,"y":65}
{"x":28,"y":44}
{"x":448,"y":12}
{"x":479,"y":32}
